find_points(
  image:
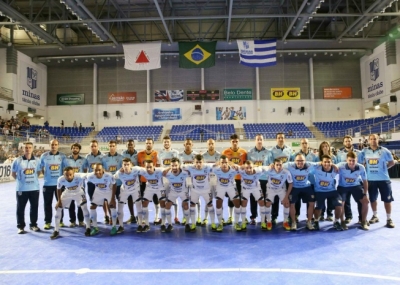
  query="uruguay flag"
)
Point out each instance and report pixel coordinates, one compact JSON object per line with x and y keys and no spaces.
{"x":257,"y":53}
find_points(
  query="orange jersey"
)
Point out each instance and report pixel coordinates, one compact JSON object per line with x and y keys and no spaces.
{"x":142,"y":156}
{"x":237,"y":157}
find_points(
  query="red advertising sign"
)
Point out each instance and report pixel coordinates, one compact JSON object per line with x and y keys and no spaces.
{"x":121,"y":97}
{"x":337,"y":93}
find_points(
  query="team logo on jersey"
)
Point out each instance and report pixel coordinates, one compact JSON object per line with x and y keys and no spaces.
{"x":101,"y":186}
{"x":258,"y":163}
{"x":300,"y":178}
{"x":177,"y":185}
{"x":248,"y":181}
{"x":130,"y":182}
{"x":224,"y":181}
{"x":112,"y":168}
{"x":73,"y":187}
{"x":349,"y":180}
{"x":200,"y":177}
{"x":373,"y":161}
{"x":324,"y":183}
{"x":29,"y":171}
{"x":54,"y":167}
{"x":275,"y":181}
{"x":167,"y":161}
{"x":152,"y":181}
{"x":235,"y":160}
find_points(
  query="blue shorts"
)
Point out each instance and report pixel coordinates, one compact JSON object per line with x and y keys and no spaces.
{"x":385,"y":189}
{"x":356,"y":191}
{"x":335,"y":197}
{"x":306,"y":194}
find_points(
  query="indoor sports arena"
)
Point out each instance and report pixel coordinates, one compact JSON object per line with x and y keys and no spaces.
{"x":199,"y":142}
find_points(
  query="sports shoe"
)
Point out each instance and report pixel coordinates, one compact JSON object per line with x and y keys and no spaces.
{"x":120,"y":230}
{"x":157,"y":222}
{"x":374,"y":220}
{"x":364,"y":226}
{"x":274,"y":221}
{"x":297,"y":218}
{"x":213,"y":227}
{"x":204,"y":223}
{"x":55,"y":235}
{"x":269,"y":225}
{"x":286,"y":225}
{"x":229,"y":221}
{"x":72,"y":225}
{"x":21,"y":231}
{"x":94,"y":231}
{"x":348,"y":220}
{"x":329,"y":218}
{"x":163,"y":228}
{"x":193,"y":228}
{"x":390,"y":224}
{"x":322,"y":218}
{"x":183,"y":221}
{"x":237,"y":227}
{"x":87,"y":232}
{"x":253,"y":222}
{"x":344,"y":225}
{"x":35,"y":228}
{"x":82,"y":224}
{"x":62,"y":225}
{"x":47,"y":226}
{"x":263,"y":226}
{"x":169,"y":228}
{"x":131,"y":220}
{"x":310,"y":226}
{"x":338,"y":226}
{"x":293,"y":227}
{"x":139,"y":229}
{"x":316,"y":225}
{"x":244,"y":226}
{"x":106,"y":220}
{"x":145,"y":229}
{"x":220,"y":227}
{"x":187,"y":228}
{"x":198,"y":222}
{"x":176,"y":221}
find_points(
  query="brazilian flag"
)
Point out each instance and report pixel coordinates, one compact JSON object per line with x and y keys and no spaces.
{"x":197,"y":54}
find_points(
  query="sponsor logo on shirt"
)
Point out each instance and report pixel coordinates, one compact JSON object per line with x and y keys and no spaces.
{"x":373,"y":161}
{"x":200,"y":177}
{"x":101,"y":186}
{"x":324,"y":183}
{"x":248,"y":181}
{"x":153,"y":181}
{"x":130,"y":182}
{"x":235,"y":160}
{"x":275,"y":181}
{"x":72,"y":188}
{"x":167,"y":161}
{"x":350,"y":180}
{"x":176,"y":185}
{"x":29,"y":171}
{"x":258,"y":163}
{"x":224,"y":180}
{"x":300,"y":178}
{"x":54,"y":167}
{"x":76,"y":169}
{"x":112,"y":168}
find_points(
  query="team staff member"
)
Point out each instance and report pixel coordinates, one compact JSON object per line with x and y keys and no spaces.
{"x":259,"y":155}
{"x":77,"y":163}
{"x":130,"y":153}
{"x":149,"y":154}
{"x":51,"y":165}
{"x":238,"y":156}
{"x":284,"y":153}
{"x":378,"y":160}
{"x":26,"y":170}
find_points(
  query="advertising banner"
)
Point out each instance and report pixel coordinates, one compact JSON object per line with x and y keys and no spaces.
{"x":121,"y":97}
{"x":32,"y":81}
{"x":238,"y":94}
{"x":5,"y":173}
{"x":71,"y":99}
{"x":168,"y":95}
{"x":338,"y":93}
{"x":200,"y":95}
{"x":375,"y":77}
{"x":229,"y":113}
{"x":167,"y":114}
{"x":285,"y":93}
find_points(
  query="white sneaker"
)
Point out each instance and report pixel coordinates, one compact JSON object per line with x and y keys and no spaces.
{"x":310,"y":226}
{"x":294,"y":226}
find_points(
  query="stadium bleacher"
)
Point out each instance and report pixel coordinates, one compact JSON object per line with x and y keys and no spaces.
{"x":210,"y":131}
{"x":291,"y":130}
{"x":68,"y":134}
{"x":125,"y":133}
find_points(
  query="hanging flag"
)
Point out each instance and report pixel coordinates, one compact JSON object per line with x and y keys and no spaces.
{"x":142,"y":56}
{"x":257,"y":53}
{"x":197,"y":54}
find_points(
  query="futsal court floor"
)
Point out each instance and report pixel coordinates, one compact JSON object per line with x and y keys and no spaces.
{"x":204,"y":257}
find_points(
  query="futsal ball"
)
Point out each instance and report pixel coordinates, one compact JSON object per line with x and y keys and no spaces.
{"x":197,"y":54}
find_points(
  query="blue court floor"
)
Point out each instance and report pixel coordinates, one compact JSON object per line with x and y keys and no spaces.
{"x":253,"y":257}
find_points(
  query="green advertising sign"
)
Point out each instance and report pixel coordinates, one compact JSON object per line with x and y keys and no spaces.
{"x":238,"y":94}
{"x":295,"y":143}
{"x":71,"y":99}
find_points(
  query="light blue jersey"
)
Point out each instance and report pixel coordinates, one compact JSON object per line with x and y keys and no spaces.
{"x":259,"y":158}
{"x":177,"y":183}
{"x":376,"y":163}
{"x":277,"y":180}
{"x":285,"y":154}
{"x":130,"y":181}
{"x":324,"y":181}
{"x":132,"y":157}
{"x":165,"y":156}
{"x":155,"y":180}
{"x":350,"y":178}
{"x":208,"y":158}
{"x":342,"y":155}
{"x":75,"y":185}
{"x":251,"y":181}
{"x":112,"y":163}
{"x":225,"y":179}
{"x":77,"y":164}
{"x":91,"y":160}
{"x":187,"y":158}
{"x":52,"y":165}
{"x":200,"y":177}
{"x":310,"y":157}
{"x":103,"y":184}
{"x":300,"y":176}
{"x":27,"y":172}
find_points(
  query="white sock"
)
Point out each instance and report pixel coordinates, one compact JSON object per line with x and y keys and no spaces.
{"x":388,"y":216}
{"x":93,"y":216}
{"x":375,"y":213}
{"x":86,"y":216}
{"x":186,"y":215}
{"x":175,"y":210}
{"x":198,"y":209}
{"x":211,"y":213}
{"x":268,"y":213}
{"x":230,"y":211}
{"x":286,"y":213}
{"x":193,"y":214}
{"x":206,"y":208}
{"x":219,"y":215}
{"x":237,"y":214}
{"x":121,"y":213}
{"x":145,"y":211}
{"x":168,"y":216}
{"x":57,"y":219}
{"x":139,"y":211}
{"x":114,"y":216}
{"x":263,"y":213}
{"x":157,"y":212}
{"x":163,"y":217}
{"x":243,"y":213}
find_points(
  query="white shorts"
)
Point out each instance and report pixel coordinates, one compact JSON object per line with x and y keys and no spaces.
{"x":68,"y":196}
{"x":206,"y":194}
{"x":99,"y":197}
{"x":124,"y":195}
{"x":271,"y":193}
{"x":166,"y":184}
{"x":232,"y":193}
{"x":149,"y":194}
{"x":173,"y":195}
{"x":257,"y":194}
